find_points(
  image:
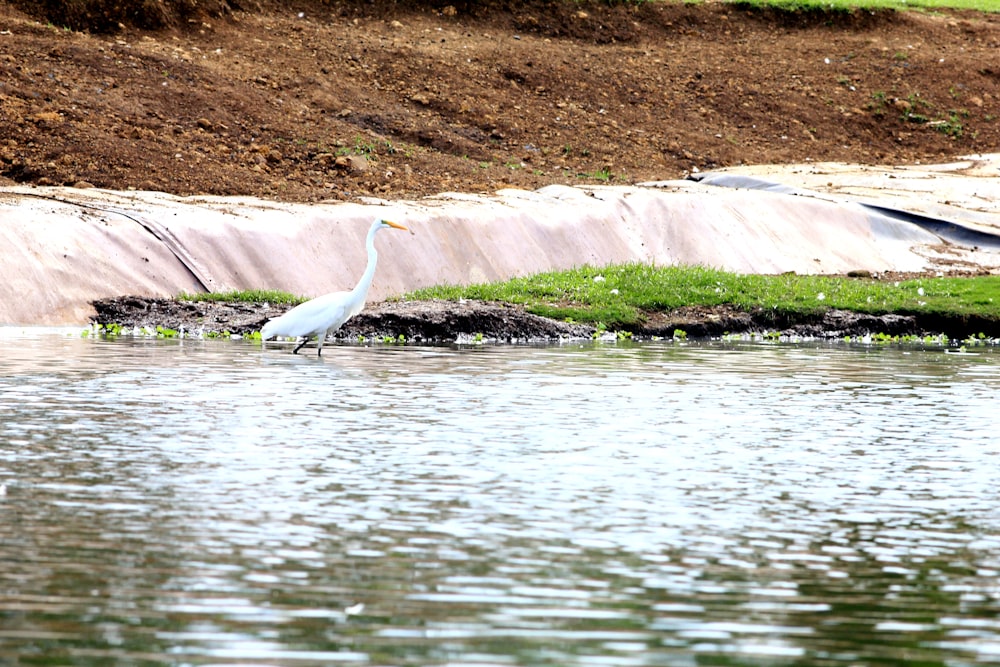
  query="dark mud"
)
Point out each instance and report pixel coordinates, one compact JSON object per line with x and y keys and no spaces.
{"x":448,"y":322}
{"x":416,"y":321}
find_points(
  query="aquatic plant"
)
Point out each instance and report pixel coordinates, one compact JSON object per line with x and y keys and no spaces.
{"x":111,"y":330}
{"x":882,"y":338}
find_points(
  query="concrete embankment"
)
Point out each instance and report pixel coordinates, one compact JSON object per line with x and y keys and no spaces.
{"x":64,"y":248}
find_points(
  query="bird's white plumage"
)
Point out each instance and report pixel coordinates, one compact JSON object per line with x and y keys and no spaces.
{"x":310,"y":318}
{"x":319,"y":316}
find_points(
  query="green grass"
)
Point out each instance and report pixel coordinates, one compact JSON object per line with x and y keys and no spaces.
{"x":619,"y":295}
{"x":247,"y":296}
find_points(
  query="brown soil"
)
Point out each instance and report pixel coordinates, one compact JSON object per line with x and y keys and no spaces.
{"x":315,"y":100}
{"x":311,"y":100}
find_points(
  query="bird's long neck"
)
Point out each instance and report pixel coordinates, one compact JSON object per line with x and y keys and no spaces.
{"x":366,"y":278}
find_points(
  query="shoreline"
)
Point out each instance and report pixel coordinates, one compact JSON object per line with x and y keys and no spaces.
{"x":438,"y":322}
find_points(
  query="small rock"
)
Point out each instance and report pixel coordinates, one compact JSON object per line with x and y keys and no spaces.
{"x":205,"y":124}
{"x":46,"y":117}
{"x":352,"y":163}
{"x":83,"y":185}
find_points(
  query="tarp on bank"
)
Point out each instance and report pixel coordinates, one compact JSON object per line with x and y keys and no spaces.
{"x":62,"y":248}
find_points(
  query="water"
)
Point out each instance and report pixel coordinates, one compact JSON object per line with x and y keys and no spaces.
{"x":203,"y":502}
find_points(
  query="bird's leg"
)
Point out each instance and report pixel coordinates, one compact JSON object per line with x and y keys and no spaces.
{"x":319,"y":344}
{"x":305,"y":339}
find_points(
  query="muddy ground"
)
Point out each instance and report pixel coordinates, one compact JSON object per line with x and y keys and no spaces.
{"x":449,"y":322}
{"x":312,"y":100}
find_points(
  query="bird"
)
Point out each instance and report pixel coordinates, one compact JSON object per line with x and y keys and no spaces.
{"x":327,"y":313}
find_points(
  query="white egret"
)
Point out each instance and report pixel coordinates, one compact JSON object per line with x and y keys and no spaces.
{"x":327,"y":313}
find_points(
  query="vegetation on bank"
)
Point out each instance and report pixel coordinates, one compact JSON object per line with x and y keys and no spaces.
{"x":620,"y":302}
{"x":619,"y":296}
{"x":245,"y":296}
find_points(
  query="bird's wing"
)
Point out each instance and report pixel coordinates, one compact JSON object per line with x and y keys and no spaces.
{"x":312,"y":317}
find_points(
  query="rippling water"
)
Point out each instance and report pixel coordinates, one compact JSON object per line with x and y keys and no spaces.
{"x":204,"y":502}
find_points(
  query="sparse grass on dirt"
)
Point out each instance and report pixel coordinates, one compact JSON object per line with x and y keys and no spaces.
{"x":312,"y":100}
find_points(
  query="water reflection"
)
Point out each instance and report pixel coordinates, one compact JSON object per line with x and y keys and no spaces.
{"x":195,"y":502}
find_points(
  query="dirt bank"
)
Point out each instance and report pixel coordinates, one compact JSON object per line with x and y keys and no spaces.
{"x":448,"y":322}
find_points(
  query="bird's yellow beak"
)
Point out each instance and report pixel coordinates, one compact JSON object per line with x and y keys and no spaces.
{"x":396,"y":225}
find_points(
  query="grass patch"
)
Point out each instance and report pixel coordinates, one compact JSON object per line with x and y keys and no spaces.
{"x":245,"y":296}
{"x":619,"y":295}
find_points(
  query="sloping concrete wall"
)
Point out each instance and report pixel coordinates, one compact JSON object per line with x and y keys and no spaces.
{"x":63,"y":248}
